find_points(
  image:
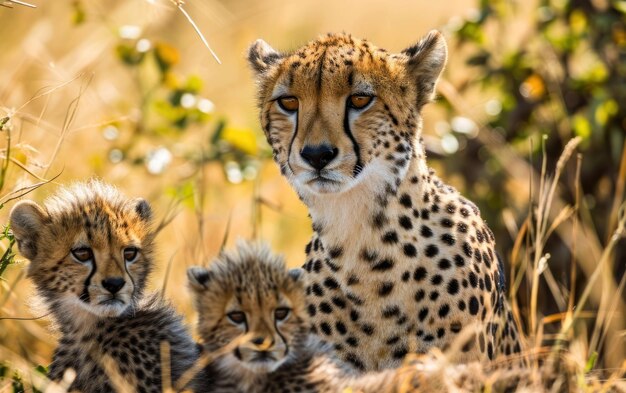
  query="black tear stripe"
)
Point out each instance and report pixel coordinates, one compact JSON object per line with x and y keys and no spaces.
{"x":85,"y":295}
{"x":132,"y":280}
{"x":281,"y":336}
{"x":293,"y":138}
{"x":358,"y":166}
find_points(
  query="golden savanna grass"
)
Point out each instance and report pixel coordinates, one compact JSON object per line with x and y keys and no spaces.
{"x":63,"y":84}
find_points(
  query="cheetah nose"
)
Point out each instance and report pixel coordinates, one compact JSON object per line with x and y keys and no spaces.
{"x":262,"y":340}
{"x":113,"y":284}
{"x":319,"y":156}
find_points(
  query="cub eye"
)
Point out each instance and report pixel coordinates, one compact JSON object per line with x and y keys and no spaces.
{"x":359,"y":101}
{"x":82,"y":254}
{"x":281,"y":313}
{"x":130,"y":254}
{"x":289,"y":104}
{"x":236,"y":317}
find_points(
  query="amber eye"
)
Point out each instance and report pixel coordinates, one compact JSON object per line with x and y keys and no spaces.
{"x":281,"y":313}
{"x":289,"y":104}
{"x":130,"y":254}
{"x":358,"y":101}
{"x":236,"y":317}
{"x":83,"y":254}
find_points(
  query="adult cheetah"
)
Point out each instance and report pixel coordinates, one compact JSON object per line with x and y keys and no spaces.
{"x":399,"y":261}
{"x":90,"y":251}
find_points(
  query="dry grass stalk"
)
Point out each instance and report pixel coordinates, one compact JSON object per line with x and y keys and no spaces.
{"x":179,"y":4}
{"x":10,"y":3}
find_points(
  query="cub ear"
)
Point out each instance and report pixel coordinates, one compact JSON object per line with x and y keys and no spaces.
{"x":199,"y":278}
{"x":296,"y":275}
{"x":262,"y":56}
{"x":143,"y":209}
{"x":27,"y":219}
{"x":426,"y":61}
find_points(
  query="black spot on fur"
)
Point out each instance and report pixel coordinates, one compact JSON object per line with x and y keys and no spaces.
{"x":426,"y":231}
{"x":448,"y":239}
{"x":405,"y":200}
{"x":385,"y":288}
{"x":473,"y":305}
{"x":419,"y":274}
{"x":383,"y":265}
{"x":331,"y":283}
{"x":405,"y":222}
{"x":335,"y":252}
{"x":391,"y":312}
{"x":390,"y":237}
{"x":431,"y":250}
{"x":453,"y":287}
{"x":443,"y":311}
{"x":444,"y":264}
{"x":409,"y":250}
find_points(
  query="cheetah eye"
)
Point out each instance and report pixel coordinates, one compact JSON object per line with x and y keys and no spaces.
{"x":236,"y":317}
{"x":82,"y":254}
{"x":359,"y":101}
{"x":289,"y":104}
{"x":130,"y":254}
{"x":281,"y":313}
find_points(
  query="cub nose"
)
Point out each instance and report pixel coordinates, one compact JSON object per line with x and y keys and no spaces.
{"x":319,"y":156}
{"x":113,"y":284}
{"x":263,"y":341}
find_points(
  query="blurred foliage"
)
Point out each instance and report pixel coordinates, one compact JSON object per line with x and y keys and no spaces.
{"x":171,"y":108}
{"x":17,"y":379}
{"x":6,"y":237}
{"x":8,"y":256}
{"x":558,"y":73}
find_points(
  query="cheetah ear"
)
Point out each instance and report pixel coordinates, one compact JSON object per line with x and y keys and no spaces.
{"x":296,"y":276}
{"x":27,"y":220}
{"x":262,"y":56}
{"x":426,"y":61}
{"x":199,"y":278}
{"x":143,"y":209}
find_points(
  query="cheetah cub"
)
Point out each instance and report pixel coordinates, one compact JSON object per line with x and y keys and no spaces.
{"x":91,"y":250}
{"x":399,"y":262}
{"x":252,"y":317}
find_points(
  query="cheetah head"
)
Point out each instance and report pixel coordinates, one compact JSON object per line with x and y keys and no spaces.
{"x":251,"y":310}
{"x":340,"y":112}
{"x":90,"y":248}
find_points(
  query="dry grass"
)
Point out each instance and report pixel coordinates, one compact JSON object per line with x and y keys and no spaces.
{"x":57,"y":94}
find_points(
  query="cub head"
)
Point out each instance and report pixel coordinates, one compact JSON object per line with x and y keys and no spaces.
{"x":89,"y":248}
{"x":251,"y":310}
{"x":339,"y":112}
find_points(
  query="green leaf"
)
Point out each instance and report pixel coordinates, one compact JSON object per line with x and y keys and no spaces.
{"x":193,"y":84}
{"x":79,"y":15}
{"x":605,"y":111}
{"x":8,"y":257}
{"x":582,"y":126}
{"x":479,"y":59}
{"x":129,"y":55}
{"x":620,"y":5}
{"x":591,"y":362}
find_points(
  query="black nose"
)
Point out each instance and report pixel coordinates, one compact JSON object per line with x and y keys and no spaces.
{"x":261,"y":340}
{"x":319,"y":156}
{"x":113,"y":284}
